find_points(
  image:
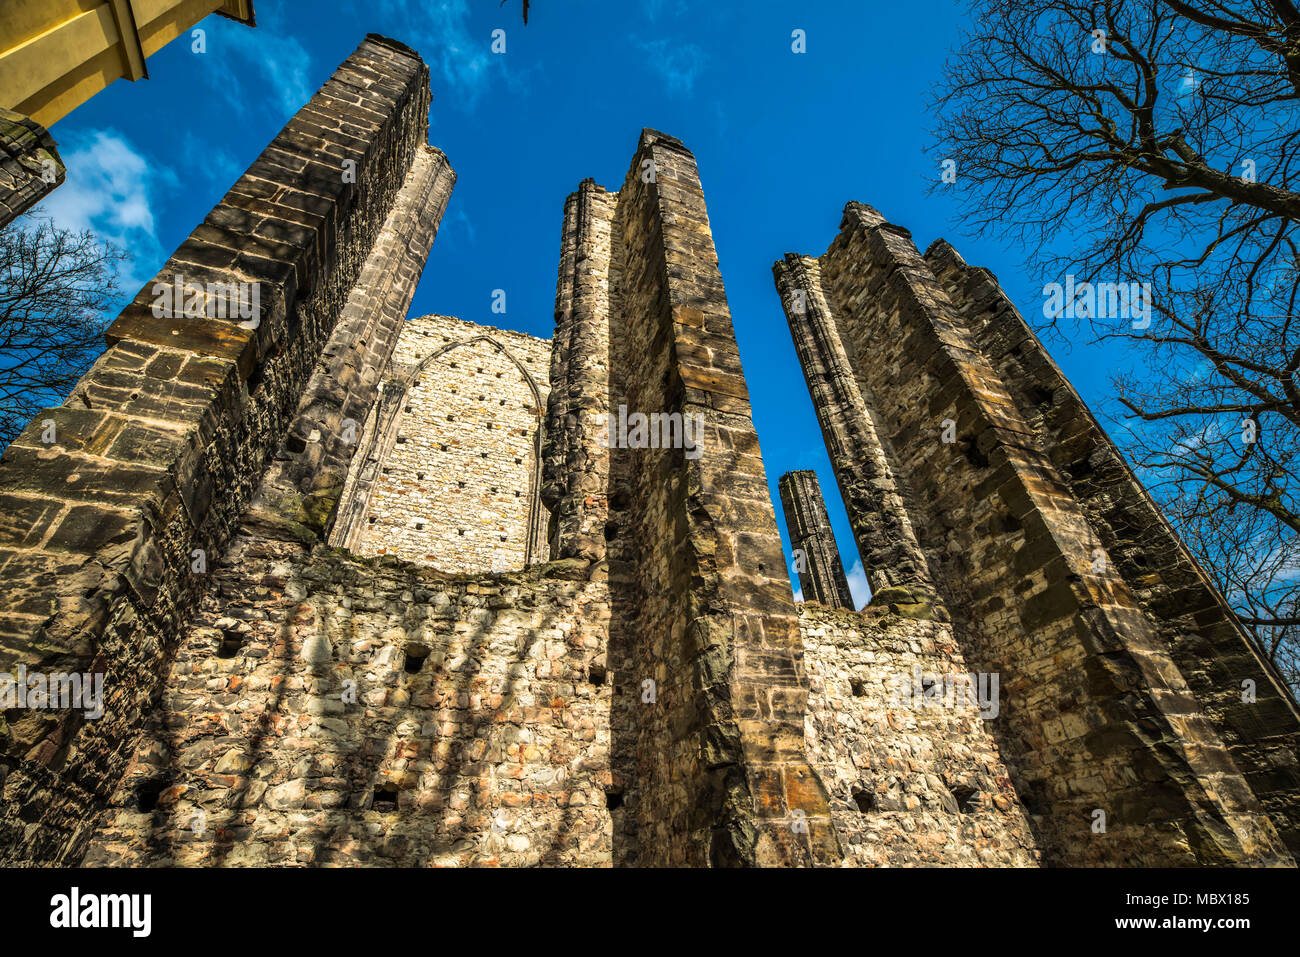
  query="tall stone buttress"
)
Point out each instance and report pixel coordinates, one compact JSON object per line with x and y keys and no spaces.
{"x":704,"y":650}
{"x":576,"y":465}
{"x":875,"y":495}
{"x":817,"y":559}
{"x":305,"y":481}
{"x":118,"y":504}
{"x":1027,"y":518}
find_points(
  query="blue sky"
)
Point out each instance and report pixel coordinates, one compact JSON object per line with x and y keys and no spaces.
{"x":783,"y":140}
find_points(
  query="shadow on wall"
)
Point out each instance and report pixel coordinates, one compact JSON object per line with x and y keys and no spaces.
{"x":344,"y":712}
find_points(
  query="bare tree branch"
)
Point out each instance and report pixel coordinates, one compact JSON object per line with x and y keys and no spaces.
{"x":1158,"y":142}
{"x":55,"y":285}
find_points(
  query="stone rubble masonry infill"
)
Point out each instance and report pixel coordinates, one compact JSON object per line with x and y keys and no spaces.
{"x":607,"y":667}
{"x":908,"y":785}
{"x":448,"y":470}
{"x":374,"y":712}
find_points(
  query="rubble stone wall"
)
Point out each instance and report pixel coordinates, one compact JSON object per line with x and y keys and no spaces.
{"x":327,"y":709}
{"x":913,"y":780}
{"x":448,"y":473}
{"x":367,"y":591}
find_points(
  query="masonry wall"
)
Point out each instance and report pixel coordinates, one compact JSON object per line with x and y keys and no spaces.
{"x":162,"y":444}
{"x":300,"y":493}
{"x":876,"y":493}
{"x":1097,"y":715}
{"x":325,"y":709}
{"x":912,"y":781}
{"x":1212,"y":652}
{"x":524,"y":735}
{"x":637,"y":687}
{"x":710,"y":692}
{"x":448,"y":472}
{"x":576,"y":476}
{"x":30,"y":166}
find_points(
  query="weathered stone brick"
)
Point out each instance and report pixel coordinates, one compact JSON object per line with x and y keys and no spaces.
{"x":531,"y":641}
{"x":1002,"y":531}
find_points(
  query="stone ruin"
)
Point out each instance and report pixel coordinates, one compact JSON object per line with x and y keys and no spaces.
{"x":369,"y":590}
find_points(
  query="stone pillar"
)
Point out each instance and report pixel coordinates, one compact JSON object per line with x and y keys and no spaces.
{"x":874,"y":494}
{"x":817,"y":559}
{"x":1211,"y":650}
{"x":117,"y":502}
{"x":702,"y":608}
{"x":30,"y":166}
{"x":302,"y":489}
{"x":576,"y":459}
{"x":1097,"y":717}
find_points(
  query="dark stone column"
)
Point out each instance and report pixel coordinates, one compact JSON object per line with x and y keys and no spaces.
{"x":575,"y":475}
{"x":875,"y":495}
{"x":817,"y":559}
{"x":30,"y":166}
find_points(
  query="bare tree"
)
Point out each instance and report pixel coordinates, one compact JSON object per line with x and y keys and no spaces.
{"x":55,"y":285}
{"x":1157,"y":142}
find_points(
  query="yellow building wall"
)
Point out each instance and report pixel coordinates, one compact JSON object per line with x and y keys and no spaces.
{"x":56,"y":54}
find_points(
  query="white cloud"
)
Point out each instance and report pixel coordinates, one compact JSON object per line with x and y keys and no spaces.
{"x":719,"y":117}
{"x":287,"y":65}
{"x":457,"y":219}
{"x":677,"y":63}
{"x":858,"y":586}
{"x":461,"y":62}
{"x":273,"y":64}
{"x":210,"y":160}
{"x":111,"y":190}
{"x":798,"y":595}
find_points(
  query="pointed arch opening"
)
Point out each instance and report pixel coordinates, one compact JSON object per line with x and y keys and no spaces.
{"x":449,"y":469}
